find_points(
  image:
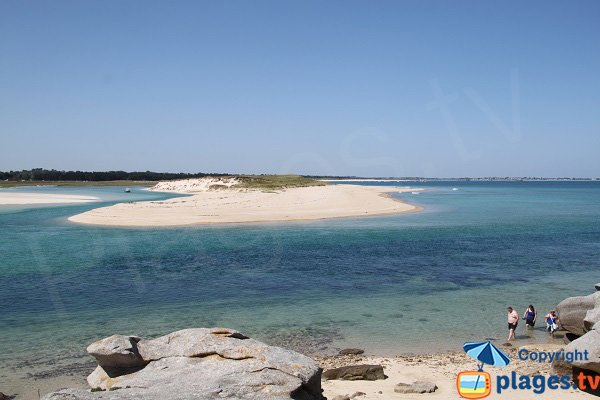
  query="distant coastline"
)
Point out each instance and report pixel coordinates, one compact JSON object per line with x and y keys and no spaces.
{"x":42,"y":177}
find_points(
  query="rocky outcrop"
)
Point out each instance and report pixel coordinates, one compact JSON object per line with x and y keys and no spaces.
{"x":589,"y":342}
{"x":116,"y":355}
{"x":416,"y":387}
{"x":355,"y":373}
{"x":580,"y":316}
{"x":572,"y":312}
{"x":197,"y":364}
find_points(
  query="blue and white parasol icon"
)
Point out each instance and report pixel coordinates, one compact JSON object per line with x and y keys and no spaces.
{"x":486,"y":353}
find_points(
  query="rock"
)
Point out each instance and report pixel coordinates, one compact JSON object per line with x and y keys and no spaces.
{"x":561,"y":367}
{"x":199,"y":364}
{"x":590,"y":342}
{"x":597,"y":286}
{"x":5,"y":397}
{"x":355,"y":373}
{"x":351,"y":351}
{"x":357,"y":394}
{"x":573,"y":310}
{"x":416,"y":387}
{"x":199,"y":342}
{"x":591,"y":375}
{"x":341,"y":397}
{"x":569,"y":337}
{"x":592,"y":316}
{"x":117,"y":351}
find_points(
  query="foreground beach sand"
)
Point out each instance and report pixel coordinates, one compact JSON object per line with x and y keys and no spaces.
{"x":439,"y":368}
{"x":11,"y":198}
{"x":442,"y":370}
{"x":232,"y":205}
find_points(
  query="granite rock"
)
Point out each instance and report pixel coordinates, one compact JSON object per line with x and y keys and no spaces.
{"x":415,"y":387}
{"x":355,"y":373}
{"x":199,"y":364}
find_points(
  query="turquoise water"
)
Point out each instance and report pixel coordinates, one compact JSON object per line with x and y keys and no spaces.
{"x":417,"y":282}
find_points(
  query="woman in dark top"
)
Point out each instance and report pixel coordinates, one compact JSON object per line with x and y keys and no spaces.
{"x":529,"y":316}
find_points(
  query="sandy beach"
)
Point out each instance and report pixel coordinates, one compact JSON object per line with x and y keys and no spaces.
{"x":440,"y":369}
{"x":227,"y":204}
{"x":12,"y":198}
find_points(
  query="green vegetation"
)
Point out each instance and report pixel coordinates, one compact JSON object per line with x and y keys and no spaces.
{"x":40,"y":174}
{"x":5,"y":184}
{"x":275,"y":182}
{"x":44,"y":177}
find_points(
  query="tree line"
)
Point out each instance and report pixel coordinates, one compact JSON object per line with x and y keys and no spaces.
{"x":40,"y":174}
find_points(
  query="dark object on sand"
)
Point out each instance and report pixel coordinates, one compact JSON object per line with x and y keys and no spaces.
{"x":5,"y":397}
{"x":351,"y":351}
{"x":592,"y":375}
{"x":569,"y":337}
{"x":355,"y":373}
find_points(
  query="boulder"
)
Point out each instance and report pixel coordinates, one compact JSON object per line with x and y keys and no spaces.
{"x":117,"y":351}
{"x":592,"y":316}
{"x":590,"y":342}
{"x":416,"y":387}
{"x":351,"y":351}
{"x":5,"y":397}
{"x":198,"y":342}
{"x":355,"y":373}
{"x":597,"y":286}
{"x":573,"y":310}
{"x":200,"y":364}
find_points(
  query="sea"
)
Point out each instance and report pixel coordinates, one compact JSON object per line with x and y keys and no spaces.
{"x":410,"y":283}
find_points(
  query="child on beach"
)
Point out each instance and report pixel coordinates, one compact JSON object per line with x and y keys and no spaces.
{"x":551,"y":322}
{"x":530,"y":316}
{"x":513,"y":321}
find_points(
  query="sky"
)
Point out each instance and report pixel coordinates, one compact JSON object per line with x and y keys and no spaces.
{"x":383,"y":88}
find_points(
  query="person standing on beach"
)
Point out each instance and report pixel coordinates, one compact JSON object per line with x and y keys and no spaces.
{"x":513,"y":321}
{"x":530,"y":316}
{"x":551,"y":322}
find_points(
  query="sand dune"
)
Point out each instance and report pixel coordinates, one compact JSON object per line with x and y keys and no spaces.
{"x":206,"y":206}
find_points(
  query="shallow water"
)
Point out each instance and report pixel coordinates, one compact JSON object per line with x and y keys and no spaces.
{"x":417,"y":282}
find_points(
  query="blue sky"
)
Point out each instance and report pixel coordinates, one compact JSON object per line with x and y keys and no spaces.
{"x":398,"y":88}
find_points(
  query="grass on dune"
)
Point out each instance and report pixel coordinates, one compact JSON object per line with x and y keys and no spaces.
{"x":275,"y":182}
{"x":260,"y":182}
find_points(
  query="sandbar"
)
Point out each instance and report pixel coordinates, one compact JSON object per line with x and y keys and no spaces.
{"x":14,"y":198}
{"x":231,"y":205}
